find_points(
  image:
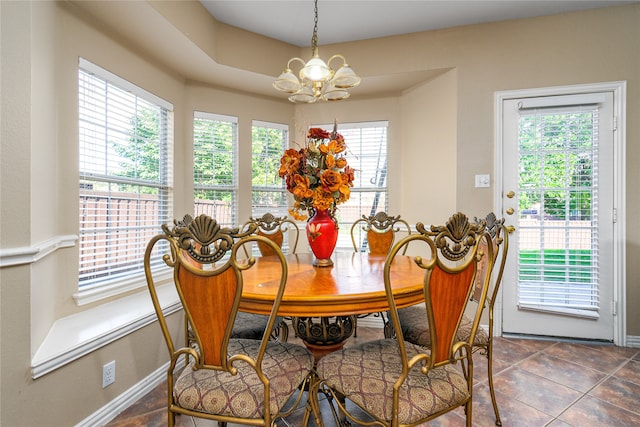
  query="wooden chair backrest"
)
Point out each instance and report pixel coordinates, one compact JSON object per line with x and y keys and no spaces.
{"x":274,"y":228}
{"x":450,"y":261}
{"x":208,"y":278}
{"x":276,"y":237}
{"x":380,"y":243}
{"x":380,"y":230}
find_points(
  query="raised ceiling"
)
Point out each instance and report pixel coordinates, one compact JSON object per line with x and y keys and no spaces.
{"x":166,"y":33}
{"x":291,"y":21}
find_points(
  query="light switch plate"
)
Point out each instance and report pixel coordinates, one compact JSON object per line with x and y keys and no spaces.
{"x":483,"y":180}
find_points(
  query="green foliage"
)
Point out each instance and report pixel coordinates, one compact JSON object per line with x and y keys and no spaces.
{"x":213,"y":155}
{"x":556,"y":164}
{"x":556,"y":265}
{"x":139,"y":159}
{"x":267,"y":148}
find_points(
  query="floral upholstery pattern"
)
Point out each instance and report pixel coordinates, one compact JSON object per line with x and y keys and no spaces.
{"x":217,"y":392}
{"x":361,"y":372}
{"x":415,"y":328}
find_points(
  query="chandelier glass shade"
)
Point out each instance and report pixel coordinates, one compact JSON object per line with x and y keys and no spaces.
{"x":317,"y":80}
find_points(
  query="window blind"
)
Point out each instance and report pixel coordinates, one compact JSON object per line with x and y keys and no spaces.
{"x":367,"y":154}
{"x":126,"y":178}
{"x":268,"y":143}
{"x":215,"y":166}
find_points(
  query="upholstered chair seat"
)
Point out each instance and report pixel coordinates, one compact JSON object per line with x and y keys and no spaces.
{"x":415,"y":327}
{"x":209,"y":391}
{"x":421,"y":395}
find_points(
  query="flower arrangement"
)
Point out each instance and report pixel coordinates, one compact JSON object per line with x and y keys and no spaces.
{"x":317,"y":175}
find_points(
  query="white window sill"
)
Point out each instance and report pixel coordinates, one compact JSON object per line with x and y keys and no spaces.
{"x":79,"y":334}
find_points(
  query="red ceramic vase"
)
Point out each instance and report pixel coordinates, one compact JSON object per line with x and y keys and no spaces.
{"x":322,"y":233}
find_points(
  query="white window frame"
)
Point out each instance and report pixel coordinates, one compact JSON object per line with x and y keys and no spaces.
{"x":96,"y":130}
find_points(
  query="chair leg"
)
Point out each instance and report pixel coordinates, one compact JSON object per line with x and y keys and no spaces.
{"x":280,"y":332}
{"x":490,"y":374}
{"x":313,"y":403}
{"x":467,"y":411}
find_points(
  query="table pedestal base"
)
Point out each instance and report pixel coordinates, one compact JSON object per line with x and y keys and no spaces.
{"x":320,"y":350}
{"x":323,"y":335}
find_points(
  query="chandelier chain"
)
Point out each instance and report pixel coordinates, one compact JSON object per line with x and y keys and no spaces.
{"x":314,"y":38}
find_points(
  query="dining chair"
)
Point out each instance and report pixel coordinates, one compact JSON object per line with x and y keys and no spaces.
{"x":247,"y":325}
{"x":376,"y":234}
{"x":227,"y":379}
{"x":281,"y":230}
{"x":284,"y":232}
{"x":415,"y":327}
{"x":398,"y":383}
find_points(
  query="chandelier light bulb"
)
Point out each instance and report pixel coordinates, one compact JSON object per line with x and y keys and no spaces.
{"x":316,"y":70}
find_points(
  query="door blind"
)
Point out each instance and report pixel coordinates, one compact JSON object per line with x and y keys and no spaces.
{"x":558,"y":223}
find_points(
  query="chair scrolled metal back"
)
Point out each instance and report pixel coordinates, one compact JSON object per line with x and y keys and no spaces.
{"x":380,"y":231}
{"x":276,"y":229}
{"x":245,"y":380}
{"x":415,"y":384}
{"x":490,"y":270}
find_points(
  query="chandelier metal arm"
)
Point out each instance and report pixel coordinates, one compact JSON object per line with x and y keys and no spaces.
{"x":296,"y":59}
{"x":337,"y":55}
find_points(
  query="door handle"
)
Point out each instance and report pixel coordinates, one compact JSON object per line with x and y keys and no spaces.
{"x":510,"y":211}
{"x":510,"y":229}
{"x":511,"y":194}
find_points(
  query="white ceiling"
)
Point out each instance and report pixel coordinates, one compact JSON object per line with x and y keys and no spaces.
{"x":291,"y":21}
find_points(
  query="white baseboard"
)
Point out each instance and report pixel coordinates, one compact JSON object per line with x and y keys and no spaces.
{"x":371,"y":322}
{"x":633,"y":341}
{"x":126,"y":399}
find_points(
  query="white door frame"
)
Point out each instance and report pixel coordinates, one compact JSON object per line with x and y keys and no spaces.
{"x":619,"y":90}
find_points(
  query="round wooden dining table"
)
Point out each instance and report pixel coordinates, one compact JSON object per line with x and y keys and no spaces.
{"x":327,"y":299}
{"x":353,"y":285}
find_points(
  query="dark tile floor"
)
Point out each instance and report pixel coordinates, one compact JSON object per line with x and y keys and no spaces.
{"x":538,"y":383}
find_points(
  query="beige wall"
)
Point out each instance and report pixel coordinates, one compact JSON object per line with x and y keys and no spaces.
{"x":440,"y":135}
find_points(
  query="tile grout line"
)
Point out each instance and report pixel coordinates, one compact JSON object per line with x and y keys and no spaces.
{"x":607,"y":376}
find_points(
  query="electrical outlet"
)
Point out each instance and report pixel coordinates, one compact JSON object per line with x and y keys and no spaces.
{"x":108,"y":373}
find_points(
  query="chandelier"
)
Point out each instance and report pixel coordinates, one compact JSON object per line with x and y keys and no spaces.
{"x":318,"y":81}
